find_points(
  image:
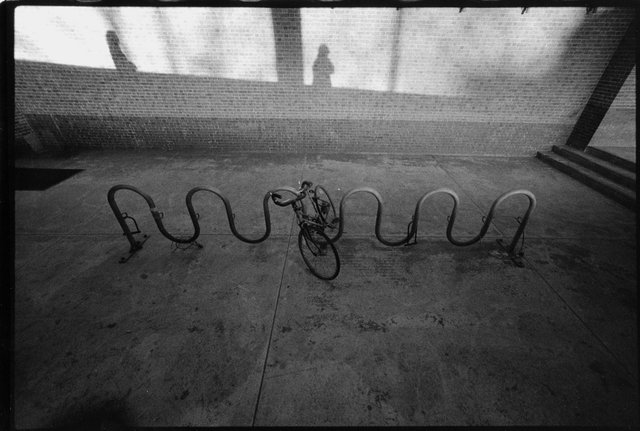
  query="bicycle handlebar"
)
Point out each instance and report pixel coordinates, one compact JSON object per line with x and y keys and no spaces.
{"x":301,"y":193}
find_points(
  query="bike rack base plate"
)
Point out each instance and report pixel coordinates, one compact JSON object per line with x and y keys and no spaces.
{"x":125,"y":259}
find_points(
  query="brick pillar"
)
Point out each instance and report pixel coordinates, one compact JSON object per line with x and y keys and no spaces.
{"x":614,"y":76}
{"x":287,"y":30}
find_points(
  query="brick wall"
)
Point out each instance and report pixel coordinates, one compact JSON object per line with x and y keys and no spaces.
{"x":22,"y":128}
{"x":505,"y":104}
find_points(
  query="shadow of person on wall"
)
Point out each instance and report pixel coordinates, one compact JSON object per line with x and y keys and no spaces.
{"x":322,"y":68}
{"x":119,"y":59}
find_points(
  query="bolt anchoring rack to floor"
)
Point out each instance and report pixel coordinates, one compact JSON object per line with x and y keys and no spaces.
{"x":412,"y":231}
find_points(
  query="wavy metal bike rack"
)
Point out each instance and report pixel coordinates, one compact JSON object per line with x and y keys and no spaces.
{"x":158,"y":215}
{"x":413,"y":224}
{"x":412,"y":227}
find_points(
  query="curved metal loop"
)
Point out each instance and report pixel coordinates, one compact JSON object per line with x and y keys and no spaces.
{"x":135,"y":245}
{"x":413,"y":229}
{"x":231,"y":216}
{"x":379,"y":212}
{"x":489,"y":217}
{"x":157,"y":215}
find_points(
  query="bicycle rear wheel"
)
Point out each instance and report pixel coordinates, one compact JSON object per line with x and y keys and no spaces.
{"x":319,"y":253}
{"x":328,"y":213}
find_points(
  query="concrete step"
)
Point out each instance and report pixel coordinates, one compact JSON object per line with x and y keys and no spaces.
{"x":609,"y":170}
{"x":611,"y":158}
{"x":591,"y":179}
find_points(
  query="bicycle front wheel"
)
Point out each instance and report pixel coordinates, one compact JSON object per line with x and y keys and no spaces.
{"x":319,"y":253}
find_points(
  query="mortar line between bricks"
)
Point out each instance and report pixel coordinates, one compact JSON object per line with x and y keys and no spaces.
{"x":613,"y":355}
{"x":468,"y":195}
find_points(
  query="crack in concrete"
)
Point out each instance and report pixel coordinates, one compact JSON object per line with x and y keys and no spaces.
{"x":275,"y":311}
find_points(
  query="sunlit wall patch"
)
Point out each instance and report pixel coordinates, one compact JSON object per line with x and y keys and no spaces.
{"x":445,"y":52}
{"x":62,"y":35}
{"x":359,"y":40}
{"x":234,"y":43}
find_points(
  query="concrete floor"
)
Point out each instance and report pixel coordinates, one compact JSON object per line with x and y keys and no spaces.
{"x":241,"y":334}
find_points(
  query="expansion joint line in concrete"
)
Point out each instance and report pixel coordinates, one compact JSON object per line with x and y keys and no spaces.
{"x":273,"y":324}
{"x":340,"y":220}
{"x":273,"y":320}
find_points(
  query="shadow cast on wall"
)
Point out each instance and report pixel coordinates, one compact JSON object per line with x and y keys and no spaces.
{"x":322,"y":68}
{"x":73,"y":107}
{"x":120,"y":60}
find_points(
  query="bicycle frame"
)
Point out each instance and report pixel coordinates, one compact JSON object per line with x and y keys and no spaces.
{"x":308,"y":221}
{"x":303,"y":217}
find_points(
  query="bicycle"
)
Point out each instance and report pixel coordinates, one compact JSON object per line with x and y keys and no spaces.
{"x":316,"y":248}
